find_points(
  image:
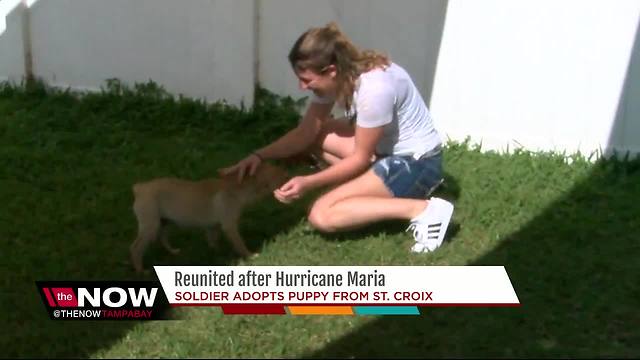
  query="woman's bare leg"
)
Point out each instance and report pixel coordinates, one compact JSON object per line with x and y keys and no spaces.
{"x":359,"y":202}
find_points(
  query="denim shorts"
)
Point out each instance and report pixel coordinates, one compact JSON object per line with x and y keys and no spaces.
{"x":407,"y":177}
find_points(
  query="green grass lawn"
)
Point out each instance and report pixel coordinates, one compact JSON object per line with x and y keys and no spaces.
{"x":568,"y":235}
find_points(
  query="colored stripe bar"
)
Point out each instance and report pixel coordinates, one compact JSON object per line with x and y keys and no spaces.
{"x":249,"y":309}
{"x":386,"y":310}
{"x":320,"y":310}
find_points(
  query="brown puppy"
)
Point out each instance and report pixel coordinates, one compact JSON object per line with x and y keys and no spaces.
{"x":205,"y":204}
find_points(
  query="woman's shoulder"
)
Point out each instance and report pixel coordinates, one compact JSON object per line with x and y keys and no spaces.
{"x":378,"y":78}
{"x":382,"y":74}
{"x":378,"y":70}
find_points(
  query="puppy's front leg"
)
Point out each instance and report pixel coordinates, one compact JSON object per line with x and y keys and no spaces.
{"x":137,"y":249}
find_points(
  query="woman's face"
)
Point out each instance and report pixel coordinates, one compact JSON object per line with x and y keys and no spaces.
{"x":322,"y":84}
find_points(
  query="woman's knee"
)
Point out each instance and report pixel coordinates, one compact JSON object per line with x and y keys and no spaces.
{"x":319,"y":217}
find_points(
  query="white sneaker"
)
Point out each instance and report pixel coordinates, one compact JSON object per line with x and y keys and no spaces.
{"x":430,"y":226}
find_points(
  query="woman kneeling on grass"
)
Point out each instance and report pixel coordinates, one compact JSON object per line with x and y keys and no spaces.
{"x":386,"y":164}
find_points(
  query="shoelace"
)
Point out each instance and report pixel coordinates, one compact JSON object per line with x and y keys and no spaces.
{"x":432,"y":231}
{"x":417,"y":233}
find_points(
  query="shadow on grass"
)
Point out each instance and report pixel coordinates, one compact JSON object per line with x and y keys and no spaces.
{"x":575,"y":270}
{"x":98,"y":252}
{"x":67,"y":170}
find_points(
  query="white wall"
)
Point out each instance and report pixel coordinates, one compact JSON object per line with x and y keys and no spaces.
{"x":12,"y":66}
{"x":200,"y":48}
{"x":625,"y":134}
{"x":543,"y":74}
{"x":409,"y":31}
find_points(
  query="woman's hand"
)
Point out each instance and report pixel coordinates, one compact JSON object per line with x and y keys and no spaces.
{"x":247,"y":165}
{"x":293,"y":189}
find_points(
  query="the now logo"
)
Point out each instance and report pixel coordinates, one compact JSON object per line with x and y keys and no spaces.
{"x":97,"y":297}
{"x":104,"y":300}
{"x":115,"y":297}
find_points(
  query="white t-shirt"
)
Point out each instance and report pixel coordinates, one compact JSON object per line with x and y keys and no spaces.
{"x":389,"y":98}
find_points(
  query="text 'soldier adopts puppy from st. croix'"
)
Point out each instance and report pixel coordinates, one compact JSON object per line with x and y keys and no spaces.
{"x":205,"y":204}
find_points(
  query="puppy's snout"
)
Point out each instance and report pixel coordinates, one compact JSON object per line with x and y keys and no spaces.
{"x":275,"y":177}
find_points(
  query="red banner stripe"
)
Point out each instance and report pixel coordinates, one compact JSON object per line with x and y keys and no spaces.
{"x":52,"y":303}
{"x":251,"y":309}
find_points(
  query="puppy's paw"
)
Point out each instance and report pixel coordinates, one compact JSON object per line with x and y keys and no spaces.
{"x":174,"y":251}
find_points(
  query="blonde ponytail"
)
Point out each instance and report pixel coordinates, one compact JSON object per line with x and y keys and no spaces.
{"x":320,"y":47}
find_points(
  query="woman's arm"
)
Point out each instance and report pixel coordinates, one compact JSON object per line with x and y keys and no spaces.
{"x":291,"y":143}
{"x":301,"y":137}
{"x":347,"y":168}
{"x":352,"y":165}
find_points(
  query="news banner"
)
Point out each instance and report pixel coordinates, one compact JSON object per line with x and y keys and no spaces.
{"x":283,"y":290}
